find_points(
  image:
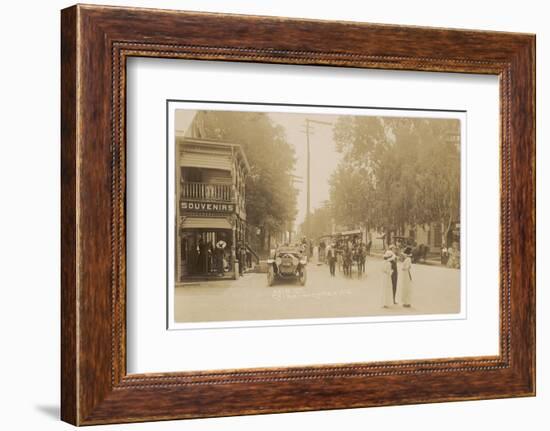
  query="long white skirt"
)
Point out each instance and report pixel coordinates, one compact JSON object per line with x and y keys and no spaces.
{"x":406,"y":288}
{"x":387,"y":293}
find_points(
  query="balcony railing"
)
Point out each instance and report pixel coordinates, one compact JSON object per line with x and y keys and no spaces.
{"x":207,"y":192}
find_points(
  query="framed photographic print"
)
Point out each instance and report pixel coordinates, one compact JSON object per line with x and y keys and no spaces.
{"x":263,"y":215}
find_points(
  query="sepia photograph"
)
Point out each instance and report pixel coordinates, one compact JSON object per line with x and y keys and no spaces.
{"x":293,"y":213}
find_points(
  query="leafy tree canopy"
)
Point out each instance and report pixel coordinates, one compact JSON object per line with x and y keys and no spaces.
{"x":396,"y":171}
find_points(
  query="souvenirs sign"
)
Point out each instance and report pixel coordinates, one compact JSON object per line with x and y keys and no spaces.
{"x":201,"y":206}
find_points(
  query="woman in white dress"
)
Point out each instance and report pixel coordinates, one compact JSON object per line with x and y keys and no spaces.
{"x":406,"y":278}
{"x":387,"y":295}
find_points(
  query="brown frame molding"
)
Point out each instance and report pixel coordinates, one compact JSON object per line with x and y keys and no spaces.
{"x":95,"y":43}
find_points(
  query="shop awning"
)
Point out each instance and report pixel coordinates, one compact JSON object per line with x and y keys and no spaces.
{"x":206,"y":160}
{"x":206,"y":223}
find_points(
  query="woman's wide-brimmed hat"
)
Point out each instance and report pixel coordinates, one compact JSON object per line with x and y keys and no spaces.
{"x":389,"y":255}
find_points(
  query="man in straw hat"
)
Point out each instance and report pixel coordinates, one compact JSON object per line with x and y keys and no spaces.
{"x":393,"y":262}
{"x":387,"y":280}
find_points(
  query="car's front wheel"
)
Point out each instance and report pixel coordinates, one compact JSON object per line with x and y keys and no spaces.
{"x":270,"y":276}
{"x":303,"y":277}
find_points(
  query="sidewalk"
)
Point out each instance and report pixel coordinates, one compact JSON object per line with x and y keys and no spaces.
{"x":196,"y":279}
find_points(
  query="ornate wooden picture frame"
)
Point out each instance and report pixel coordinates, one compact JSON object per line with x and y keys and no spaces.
{"x":96,"y":41}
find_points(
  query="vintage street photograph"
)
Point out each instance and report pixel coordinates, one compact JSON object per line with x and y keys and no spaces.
{"x":286,"y":213}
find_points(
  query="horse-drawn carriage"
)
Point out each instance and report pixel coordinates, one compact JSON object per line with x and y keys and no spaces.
{"x":349,"y":250}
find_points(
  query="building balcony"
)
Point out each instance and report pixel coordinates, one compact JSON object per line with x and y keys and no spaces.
{"x":213,"y":193}
{"x":208,"y":192}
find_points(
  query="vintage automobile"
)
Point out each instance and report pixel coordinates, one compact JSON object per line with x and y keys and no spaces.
{"x":287,"y":263}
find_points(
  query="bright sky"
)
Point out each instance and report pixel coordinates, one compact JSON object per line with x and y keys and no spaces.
{"x":324,"y":157}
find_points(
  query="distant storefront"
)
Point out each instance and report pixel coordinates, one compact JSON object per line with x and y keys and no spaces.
{"x":211,"y":214}
{"x":437,"y":235}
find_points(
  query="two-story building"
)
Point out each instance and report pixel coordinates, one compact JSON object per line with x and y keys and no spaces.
{"x":210,"y":206}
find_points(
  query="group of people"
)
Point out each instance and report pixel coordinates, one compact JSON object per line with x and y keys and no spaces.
{"x":346,"y":254}
{"x":397,"y":270}
{"x":450,"y":256}
{"x":209,"y":257}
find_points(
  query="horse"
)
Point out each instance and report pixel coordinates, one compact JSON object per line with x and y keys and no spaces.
{"x":420,"y":252}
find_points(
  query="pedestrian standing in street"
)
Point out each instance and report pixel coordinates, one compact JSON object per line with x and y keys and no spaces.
{"x":357,"y":257}
{"x":248,"y":258}
{"x":362,"y":257}
{"x":386,"y":279}
{"x":348,"y":260}
{"x":406,"y":278}
{"x":241,"y":256}
{"x":394,"y":274}
{"x":340,"y":256}
{"x":322,"y":251}
{"x":331,"y":258}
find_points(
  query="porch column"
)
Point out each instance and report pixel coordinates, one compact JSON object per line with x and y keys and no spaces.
{"x":233,"y":249}
{"x":178,"y":252}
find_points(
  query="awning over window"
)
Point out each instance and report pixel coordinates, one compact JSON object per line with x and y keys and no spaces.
{"x":206,"y":223}
{"x":205,"y":160}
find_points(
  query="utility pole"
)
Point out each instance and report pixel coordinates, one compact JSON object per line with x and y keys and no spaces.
{"x":308,"y":211}
{"x":308,"y":131}
{"x":296,"y":179}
